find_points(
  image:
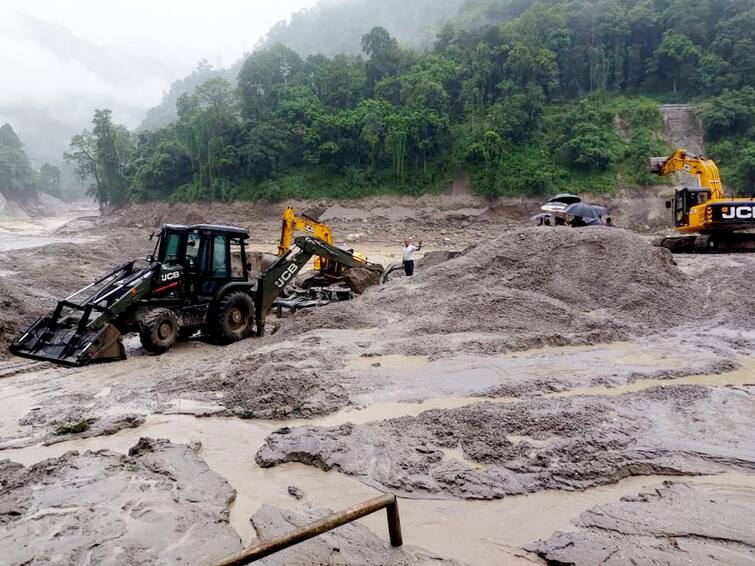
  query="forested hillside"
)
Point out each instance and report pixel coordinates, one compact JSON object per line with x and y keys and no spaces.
{"x":414,"y":24}
{"x":557,"y":95}
{"x":18,"y":180}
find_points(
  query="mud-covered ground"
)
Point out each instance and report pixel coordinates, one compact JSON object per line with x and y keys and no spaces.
{"x":533,"y":384}
{"x":662,"y":526}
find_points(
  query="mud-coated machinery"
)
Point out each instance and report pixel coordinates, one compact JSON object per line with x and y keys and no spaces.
{"x":328,"y":270}
{"x":708,"y":220}
{"x":197,"y":280}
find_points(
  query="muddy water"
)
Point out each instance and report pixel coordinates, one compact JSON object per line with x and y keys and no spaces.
{"x":21,"y":234}
{"x":15,"y":405}
{"x":473,"y":531}
{"x":392,"y":361}
{"x":383,"y":411}
{"x":478,"y":532}
{"x":745,"y":375}
{"x":403,"y":378}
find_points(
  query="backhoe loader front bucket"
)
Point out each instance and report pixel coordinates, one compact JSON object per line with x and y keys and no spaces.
{"x":63,"y":343}
{"x":80,"y":333}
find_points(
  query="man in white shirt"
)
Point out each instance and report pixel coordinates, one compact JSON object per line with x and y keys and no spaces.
{"x":409,"y":250}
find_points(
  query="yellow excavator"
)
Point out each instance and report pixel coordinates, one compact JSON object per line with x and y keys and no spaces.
{"x":291,"y":224}
{"x":708,"y":219}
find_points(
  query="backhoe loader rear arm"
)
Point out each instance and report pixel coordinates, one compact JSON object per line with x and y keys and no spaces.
{"x":271,"y":283}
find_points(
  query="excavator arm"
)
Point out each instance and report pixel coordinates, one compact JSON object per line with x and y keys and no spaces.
{"x":292,"y":224}
{"x":271,"y":283}
{"x":704,"y":169}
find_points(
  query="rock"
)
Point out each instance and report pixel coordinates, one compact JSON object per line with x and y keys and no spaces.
{"x":99,"y":427}
{"x":359,"y":279}
{"x":568,"y":443}
{"x":295,"y":492}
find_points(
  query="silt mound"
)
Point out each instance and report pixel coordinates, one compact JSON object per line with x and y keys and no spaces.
{"x":19,"y":306}
{"x":678,"y":523}
{"x":525,"y":288}
{"x":160,"y":504}
{"x":491,"y":450}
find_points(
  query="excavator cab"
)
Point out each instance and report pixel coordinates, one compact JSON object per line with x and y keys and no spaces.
{"x":684,"y":200}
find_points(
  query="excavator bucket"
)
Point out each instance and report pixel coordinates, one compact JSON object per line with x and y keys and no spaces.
{"x":63,"y":344}
{"x":656,"y":164}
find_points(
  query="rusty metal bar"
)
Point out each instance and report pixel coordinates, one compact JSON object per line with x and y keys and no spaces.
{"x":268,"y":547}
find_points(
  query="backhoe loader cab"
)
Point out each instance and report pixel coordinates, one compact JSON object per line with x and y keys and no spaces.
{"x":197,"y":280}
{"x":202,"y":258}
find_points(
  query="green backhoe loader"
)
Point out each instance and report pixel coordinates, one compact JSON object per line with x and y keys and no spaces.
{"x":197,"y":280}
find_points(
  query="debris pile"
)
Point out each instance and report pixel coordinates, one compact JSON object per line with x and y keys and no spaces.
{"x":526,"y":288}
{"x":159,"y":504}
{"x":18,"y":306}
{"x":490,"y":450}
{"x":268,"y":387}
{"x":678,"y":523}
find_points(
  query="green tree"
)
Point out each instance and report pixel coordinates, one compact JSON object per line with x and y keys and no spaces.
{"x":263,"y":77}
{"x":384,"y":55}
{"x":730,"y":113}
{"x":49,"y":176}
{"x":82,"y":155}
{"x":102,"y":156}
{"x":589,"y":140}
{"x":742,"y":176}
{"x":676,"y":59}
{"x":210,"y":128}
{"x":113,"y":145}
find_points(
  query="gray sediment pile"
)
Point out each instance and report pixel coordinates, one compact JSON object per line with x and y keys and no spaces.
{"x":524,"y":288}
{"x":677,"y":523}
{"x":490,"y":450}
{"x":160,"y":504}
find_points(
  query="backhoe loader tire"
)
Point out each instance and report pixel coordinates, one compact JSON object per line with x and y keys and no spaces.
{"x":158,"y":330}
{"x":233,"y":319}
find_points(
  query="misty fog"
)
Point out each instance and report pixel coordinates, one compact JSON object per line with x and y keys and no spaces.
{"x":63,"y":59}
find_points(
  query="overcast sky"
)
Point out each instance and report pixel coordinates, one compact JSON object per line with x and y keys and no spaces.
{"x":70,"y":56}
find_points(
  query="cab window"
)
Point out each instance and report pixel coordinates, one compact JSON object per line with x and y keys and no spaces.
{"x":192,"y":244}
{"x":171,"y":246}
{"x":237,"y":259}
{"x":219,"y":257}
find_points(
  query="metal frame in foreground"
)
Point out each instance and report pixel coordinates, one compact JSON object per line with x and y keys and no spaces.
{"x":268,"y":547}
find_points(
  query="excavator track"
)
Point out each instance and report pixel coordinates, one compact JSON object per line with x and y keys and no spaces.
{"x":735,"y":242}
